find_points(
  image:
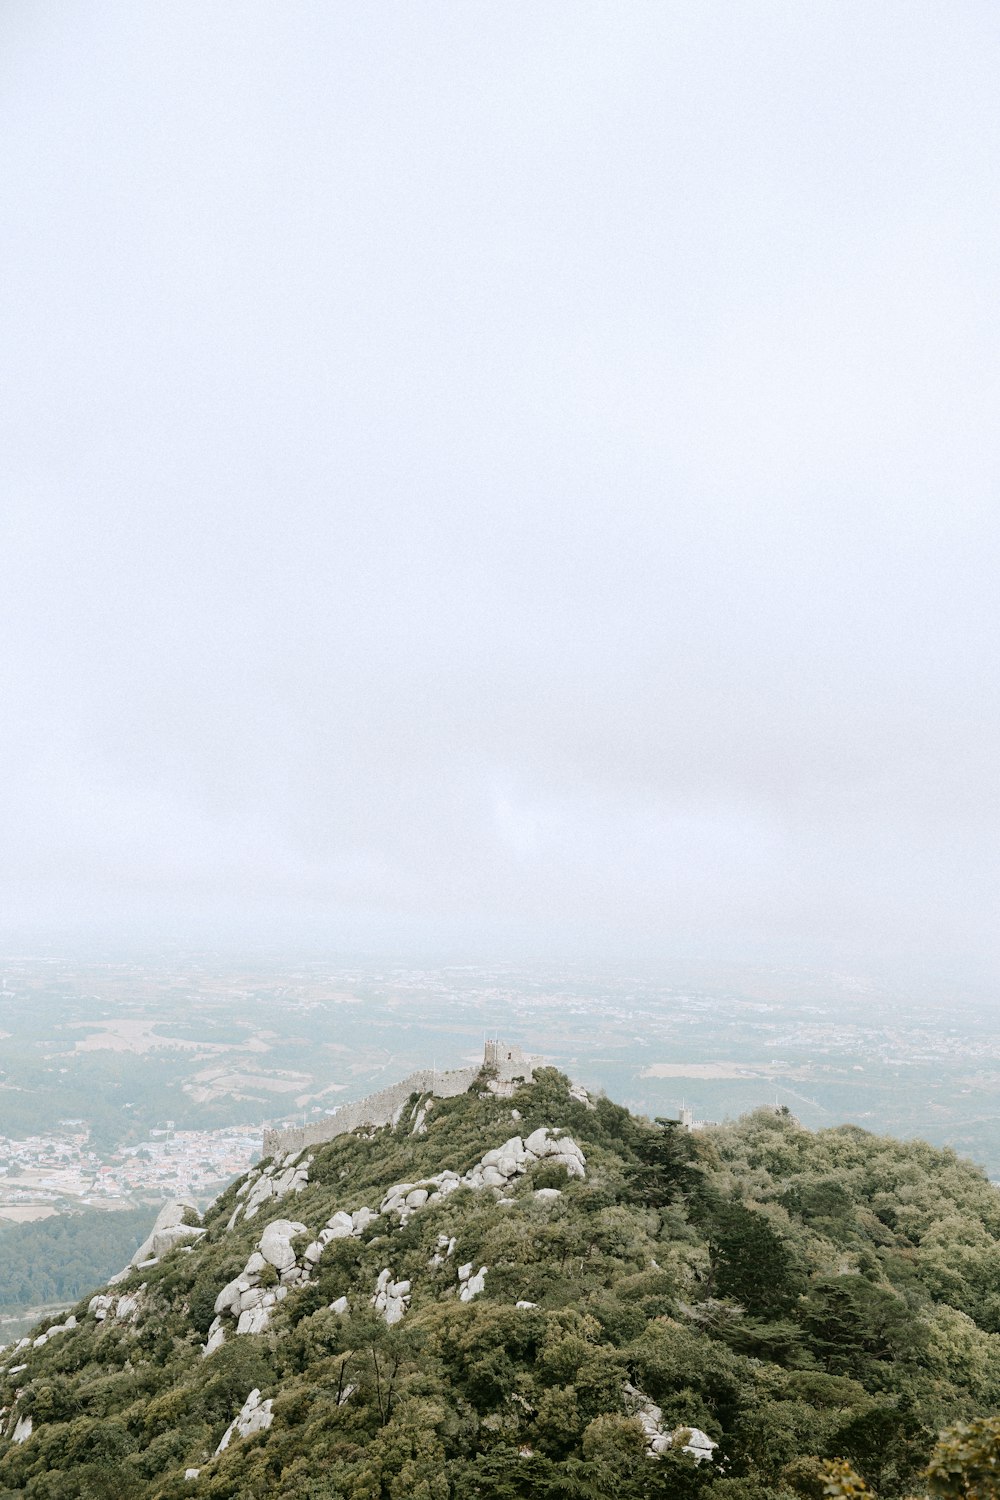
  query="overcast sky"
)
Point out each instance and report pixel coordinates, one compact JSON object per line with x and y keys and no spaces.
{"x":502,"y":477}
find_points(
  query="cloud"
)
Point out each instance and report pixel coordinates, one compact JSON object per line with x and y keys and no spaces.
{"x":472,"y":480}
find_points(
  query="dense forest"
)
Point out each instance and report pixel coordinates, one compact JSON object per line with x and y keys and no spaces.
{"x":816,"y":1306}
{"x":60,"y":1258}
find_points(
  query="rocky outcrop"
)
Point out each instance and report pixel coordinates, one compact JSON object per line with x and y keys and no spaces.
{"x":22,"y":1427}
{"x":264,"y":1282}
{"x":391,"y":1298}
{"x":339,"y":1226}
{"x":56,"y":1328}
{"x":255,"y":1416}
{"x":692,"y":1440}
{"x":169,"y":1230}
{"x":284,"y":1175}
{"x":470,"y":1285}
{"x":498,"y":1168}
{"x":122,"y":1309}
{"x":660,"y":1439}
{"x":445,"y":1247}
{"x":250,"y":1298}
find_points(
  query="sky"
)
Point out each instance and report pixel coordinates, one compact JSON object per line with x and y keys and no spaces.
{"x":502,"y":478}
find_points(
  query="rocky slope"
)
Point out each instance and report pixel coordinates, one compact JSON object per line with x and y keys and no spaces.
{"x":535,"y":1295}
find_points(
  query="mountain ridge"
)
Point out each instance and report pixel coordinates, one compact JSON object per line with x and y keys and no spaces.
{"x":538,"y":1294}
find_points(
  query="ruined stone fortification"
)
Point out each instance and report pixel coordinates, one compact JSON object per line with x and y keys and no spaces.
{"x":509,"y":1064}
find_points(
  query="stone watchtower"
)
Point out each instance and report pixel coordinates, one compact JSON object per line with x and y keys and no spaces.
{"x":509,"y":1062}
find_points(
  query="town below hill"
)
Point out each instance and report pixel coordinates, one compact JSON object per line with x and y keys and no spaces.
{"x":533,"y":1292}
{"x":124,"y":1084}
{"x":101,"y":1063}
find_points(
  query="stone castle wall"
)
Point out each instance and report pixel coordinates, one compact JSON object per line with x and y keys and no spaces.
{"x":385,"y":1106}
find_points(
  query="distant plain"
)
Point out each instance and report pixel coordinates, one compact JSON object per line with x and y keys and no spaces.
{"x":205,"y":1044}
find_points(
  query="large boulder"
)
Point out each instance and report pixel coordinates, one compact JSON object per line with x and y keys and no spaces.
{"x":275,"y":1243}
{"x":169,"y":1230}
{"x":338,"y":1227}
{"x":391,"y":1298}
{"x":470,"y":1286}
{"x":230,"y":1295}
{"x":255,"y":1416}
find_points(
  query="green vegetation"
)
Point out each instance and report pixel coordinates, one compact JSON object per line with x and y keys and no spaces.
{"x":821,"y":1305}
{"x":57,"y":1260}
{"x":119,"y":1095}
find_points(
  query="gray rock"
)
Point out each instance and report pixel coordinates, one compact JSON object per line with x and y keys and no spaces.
{"x":274,"y":1243}
{"x":215,"y":1341}
{"x":473,"y":1285}
{"x":255,"y":1416}
{"x":230,"y":1295}
{"x":658,"y":1439}
{"x":391,"y":1298}
{"x":566,"y":1145}
{"x":128,"y":1307}
{"x":395,"y":1307}
{"x":168,"y":1230}
{"x":692,"y":1440}
{"x":254,"y":1320}
{"x":164,"y":1240}
{"x":572,"y":1164}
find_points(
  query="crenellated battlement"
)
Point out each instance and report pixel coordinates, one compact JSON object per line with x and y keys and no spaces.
{"x":507,"y":1064}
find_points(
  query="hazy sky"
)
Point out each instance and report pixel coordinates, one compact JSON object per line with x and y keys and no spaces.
{"x":502,"y":476}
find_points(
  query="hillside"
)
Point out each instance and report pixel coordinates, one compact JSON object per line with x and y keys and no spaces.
{"x":534,"y":1295}
{"x":57,"y":1259}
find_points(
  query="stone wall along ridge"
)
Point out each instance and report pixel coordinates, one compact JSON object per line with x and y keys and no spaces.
{"x":385,"y":1107}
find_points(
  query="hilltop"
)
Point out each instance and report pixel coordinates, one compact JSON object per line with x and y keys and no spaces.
{"x":529,"y":1292}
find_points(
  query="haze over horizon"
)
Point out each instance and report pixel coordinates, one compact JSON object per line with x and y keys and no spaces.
{"x":515,"y":479}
